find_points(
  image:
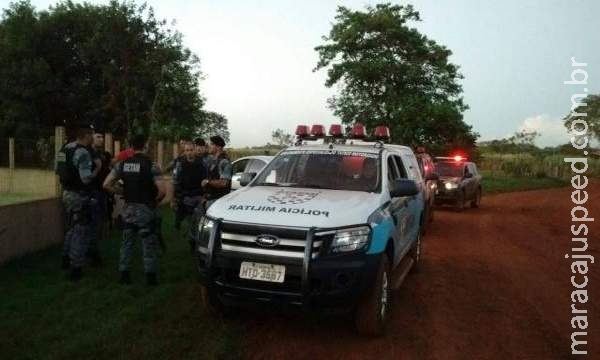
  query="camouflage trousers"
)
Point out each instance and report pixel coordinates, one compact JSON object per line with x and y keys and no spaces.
{"x":197,"y":214}
{"x":139,"y":219}
{"x":79,"y":226}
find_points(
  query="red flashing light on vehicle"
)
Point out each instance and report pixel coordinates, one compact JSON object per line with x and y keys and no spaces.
{"x":302,"y":131}
{"x":317,"y":131}
{"x":358,"y":131}
{"x":382,"y":133}
{"x":336,"y":131}
{"x":458,"y":158}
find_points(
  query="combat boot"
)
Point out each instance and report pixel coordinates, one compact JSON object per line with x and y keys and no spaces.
{"x":125,"y":278}
{"x":75,"y":274}
{"x":151,"y":279}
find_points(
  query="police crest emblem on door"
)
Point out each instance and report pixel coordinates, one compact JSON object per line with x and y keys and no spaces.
{"x":287,"y":197}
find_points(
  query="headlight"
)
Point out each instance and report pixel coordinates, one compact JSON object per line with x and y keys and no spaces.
{"x":350,"y":239}
{"x":450,"y":185}
{"x":204,"y":229}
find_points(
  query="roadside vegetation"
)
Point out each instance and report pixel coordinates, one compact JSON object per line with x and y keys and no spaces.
{"x":46,"y":317}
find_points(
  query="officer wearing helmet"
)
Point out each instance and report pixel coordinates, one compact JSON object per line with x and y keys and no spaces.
{"x":142,"y":188}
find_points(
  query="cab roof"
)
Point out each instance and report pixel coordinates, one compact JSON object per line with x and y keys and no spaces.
{"x":359,"y":146}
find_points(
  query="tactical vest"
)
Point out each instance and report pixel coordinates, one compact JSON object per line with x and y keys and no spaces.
{"x":190,"y":176}
{"x":213,"y":174}
{"x":139,"y":187}
{"x":67,"y":172}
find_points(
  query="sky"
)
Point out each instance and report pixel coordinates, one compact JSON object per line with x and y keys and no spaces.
{"x":257,"y":58}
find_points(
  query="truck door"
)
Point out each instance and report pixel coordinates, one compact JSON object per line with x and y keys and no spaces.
{"x":399,"y":208}
{"x":416,"y":203}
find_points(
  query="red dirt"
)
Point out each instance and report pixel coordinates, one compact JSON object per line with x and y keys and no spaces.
{"x":494,"y":284}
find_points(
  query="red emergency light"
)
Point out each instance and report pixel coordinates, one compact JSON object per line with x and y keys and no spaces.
{"x":336,"y":131}
{"x":317,"y":131}
{"x":302,"y":131}
{"x":381,"y":133}
{"x":358,"y":131}
{"x":458,"y":158}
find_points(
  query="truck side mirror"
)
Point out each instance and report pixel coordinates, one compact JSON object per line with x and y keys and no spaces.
{"x":404,"y":187}
{"x":245,"y":178}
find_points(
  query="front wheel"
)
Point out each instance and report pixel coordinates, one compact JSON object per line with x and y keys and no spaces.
{"x":210,"y":302}
{"x":460,"y":201}
{"x":372,"y":311}
{"x":476,"y":202}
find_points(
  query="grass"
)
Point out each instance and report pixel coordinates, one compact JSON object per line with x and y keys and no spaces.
{"x":505,"y":183}
{"x":42,"y":316}
{"x":15,"y":198}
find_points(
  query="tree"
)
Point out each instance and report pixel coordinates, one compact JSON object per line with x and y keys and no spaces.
{"x":281,"y":138}
{"x":391,"y":74}
{"x":114,"y":65}
{"x":590,"y":106}
{"x":213,"y":124}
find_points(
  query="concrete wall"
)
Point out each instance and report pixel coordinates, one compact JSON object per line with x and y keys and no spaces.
{"x":29,"y":181}
{"x":29,"y":226}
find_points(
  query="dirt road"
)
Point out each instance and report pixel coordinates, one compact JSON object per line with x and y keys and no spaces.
{"x":494,"y":285}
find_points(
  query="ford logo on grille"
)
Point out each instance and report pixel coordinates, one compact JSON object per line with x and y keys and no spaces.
{"x":267,"y":240}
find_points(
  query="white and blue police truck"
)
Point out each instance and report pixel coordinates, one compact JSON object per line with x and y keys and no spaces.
{"x":325,"y":224}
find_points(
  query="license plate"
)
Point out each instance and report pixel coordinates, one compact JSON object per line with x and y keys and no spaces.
{"x":262,"y":272}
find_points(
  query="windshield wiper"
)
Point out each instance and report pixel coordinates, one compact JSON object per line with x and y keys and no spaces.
{"x":267,"y":184}
{"x":310,"y":186}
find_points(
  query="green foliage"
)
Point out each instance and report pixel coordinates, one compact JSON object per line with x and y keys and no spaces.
{"x":590,"y":106}
{"x":114,"y":65}
{"x":46,"y":317}
{"x":213,"y":124}
{"x":521,"y":142}
{"x":391,"y":74}
{"x":281,"y":138}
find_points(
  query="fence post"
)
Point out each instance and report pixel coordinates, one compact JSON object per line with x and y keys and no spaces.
{"x":11,"y":163}
{"x":108,"y":143}
{"x":117,"y":147}
{"x":175,"y":150}
{"x":59,"y":140}
{"x":160,"y":156}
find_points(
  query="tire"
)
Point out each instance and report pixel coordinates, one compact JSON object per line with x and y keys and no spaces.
{"x":416,"y":254}
{"x":460,"y":201}
{"x":210,"y":303}
{"x":475,"y":203}
{"x":372,"y":312}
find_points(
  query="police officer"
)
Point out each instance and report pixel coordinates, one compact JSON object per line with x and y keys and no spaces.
{"x":74,"y":167}
{"x":218,"y":183}
{"x":142,"y":188}
{"x":100,"y":210}
{"x":202,"y":152}
{"x":187,"y":182}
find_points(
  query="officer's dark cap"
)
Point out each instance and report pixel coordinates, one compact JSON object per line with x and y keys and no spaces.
{"x":217,"y":140}
{"x":138,"y":141}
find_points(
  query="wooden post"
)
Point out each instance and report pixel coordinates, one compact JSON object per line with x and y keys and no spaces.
{"x":11,"y":163}
{"x":160,"y":155}
{"x":11,"y":153}
{"x":175,"y":150}
{"x":117,"y":147}
{"x":59,"y":141}
{"x":108,"y":143}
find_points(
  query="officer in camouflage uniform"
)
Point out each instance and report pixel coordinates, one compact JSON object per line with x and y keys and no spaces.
{"x":218,"y":183}
{"x":74,"y":168}
{"x":142,"y":188}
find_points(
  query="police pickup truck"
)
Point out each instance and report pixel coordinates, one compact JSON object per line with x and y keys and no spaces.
{"x":322,"y":225}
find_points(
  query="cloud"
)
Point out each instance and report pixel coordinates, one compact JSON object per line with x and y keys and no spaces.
{"x":552,"y":131}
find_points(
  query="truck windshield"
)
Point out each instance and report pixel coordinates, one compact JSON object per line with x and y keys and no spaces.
{"x":450,"y":169}
{"x":323,"y":169}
